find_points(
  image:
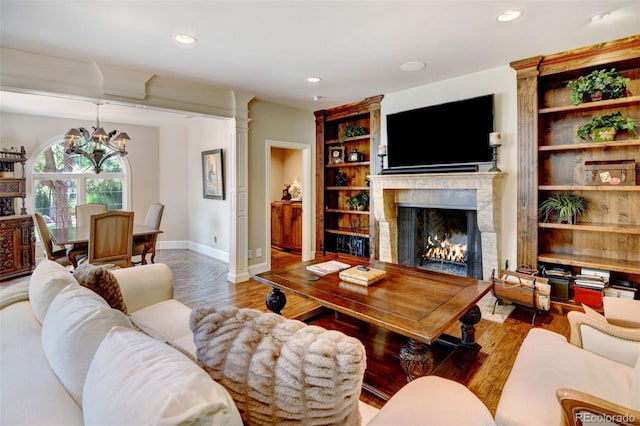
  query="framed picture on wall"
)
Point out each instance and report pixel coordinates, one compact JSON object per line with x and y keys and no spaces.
{"x":212,"y":174}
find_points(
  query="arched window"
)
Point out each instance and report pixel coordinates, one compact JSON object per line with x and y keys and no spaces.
{"x":61,"y":181}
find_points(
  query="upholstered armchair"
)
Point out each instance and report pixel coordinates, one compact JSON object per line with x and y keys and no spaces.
{"x":593,"y":377}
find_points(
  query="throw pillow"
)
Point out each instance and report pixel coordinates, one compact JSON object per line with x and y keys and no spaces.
{"x":75,"y":324}
{"x":48,"y":279}
{"x":136,"y":380}
{"x":278,"y":370}
{"x":99,"y":279}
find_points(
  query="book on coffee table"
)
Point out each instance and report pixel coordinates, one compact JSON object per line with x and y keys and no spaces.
{"x":328,"y":267}
{"x":362,"y":275}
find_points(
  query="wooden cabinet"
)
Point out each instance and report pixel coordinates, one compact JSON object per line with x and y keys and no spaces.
{"x":17,"y":240}
{"x":551,"y":159}
{"x":17,"y":246}
{"x":286,"y":226}
{"x":344,"y":160}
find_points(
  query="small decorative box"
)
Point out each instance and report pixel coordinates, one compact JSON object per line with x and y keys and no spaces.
{"x":621,"y":173}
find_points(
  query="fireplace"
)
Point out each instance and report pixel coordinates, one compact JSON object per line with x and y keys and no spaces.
{"x":478,"y":195}
{"x":443,"y":240}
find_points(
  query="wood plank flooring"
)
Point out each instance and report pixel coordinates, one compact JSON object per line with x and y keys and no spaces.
{"x":200,"y":280}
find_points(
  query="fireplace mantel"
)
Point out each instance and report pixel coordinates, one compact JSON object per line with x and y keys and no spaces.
{"x":480,"y":191}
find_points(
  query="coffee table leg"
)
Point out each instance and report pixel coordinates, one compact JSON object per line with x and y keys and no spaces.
{"x":469,"y":320}
{"x":416,"y":359}
{"x":276,"y":300}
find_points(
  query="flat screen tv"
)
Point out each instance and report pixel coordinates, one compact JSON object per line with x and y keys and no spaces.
{"x":453,"y":136}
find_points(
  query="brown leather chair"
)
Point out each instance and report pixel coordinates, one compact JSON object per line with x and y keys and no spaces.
{"x":152,"y":220}
{"x":111,"y":238}
{"x":59,"y":255}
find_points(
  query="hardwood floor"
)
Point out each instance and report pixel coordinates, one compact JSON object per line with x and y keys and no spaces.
{"x":200,"y":280}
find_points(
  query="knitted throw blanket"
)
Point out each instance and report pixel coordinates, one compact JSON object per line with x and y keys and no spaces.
{"x":281,"y":371}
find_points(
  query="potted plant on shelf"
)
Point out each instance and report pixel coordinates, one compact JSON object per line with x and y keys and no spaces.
{"x":564,"y":207}
{"x":358,"y":201}
{"x":352,"y":130}
{"x":603,"y":128}
{"x":597,"y":85}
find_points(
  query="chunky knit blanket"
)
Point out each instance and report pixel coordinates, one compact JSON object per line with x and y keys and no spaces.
{"x":281,"y":371}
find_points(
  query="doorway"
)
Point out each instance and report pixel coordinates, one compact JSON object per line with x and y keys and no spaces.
{"x":286,"y":162}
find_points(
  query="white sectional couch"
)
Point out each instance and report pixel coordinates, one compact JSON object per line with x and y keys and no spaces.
{"x":67,"y":358}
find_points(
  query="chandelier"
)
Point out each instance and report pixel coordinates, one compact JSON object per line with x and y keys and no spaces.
{"x":98,"y":146}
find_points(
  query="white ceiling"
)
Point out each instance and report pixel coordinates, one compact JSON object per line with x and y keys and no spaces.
{"x":269,"y":48}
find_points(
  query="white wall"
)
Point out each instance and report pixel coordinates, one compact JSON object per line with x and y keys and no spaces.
{"x":502,"y":82}
{"x":208,"y":218}
{"x":274,"y":122}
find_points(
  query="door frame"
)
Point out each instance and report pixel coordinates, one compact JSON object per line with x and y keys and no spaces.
{"x":307,"y":205}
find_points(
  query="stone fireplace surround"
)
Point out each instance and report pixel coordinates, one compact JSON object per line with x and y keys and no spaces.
{"x":479,"y":191}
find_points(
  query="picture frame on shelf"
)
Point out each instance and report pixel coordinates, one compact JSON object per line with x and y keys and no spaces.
{"x":336,"y":155}
{"x":212,"y":174}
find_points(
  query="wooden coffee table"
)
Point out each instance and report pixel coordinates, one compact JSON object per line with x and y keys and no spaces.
{"x":417,"y":304}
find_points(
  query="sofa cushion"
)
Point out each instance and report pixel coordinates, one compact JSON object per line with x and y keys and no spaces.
{"x":99,"y":279}
{"x":136,"y":380}
{"x":280,"y":370}
{"x":75,"y":324}
{"x":530,"y":390}
{"x":30,"y":392}
{"x":167,"y":321}
{"x":47,"y":280}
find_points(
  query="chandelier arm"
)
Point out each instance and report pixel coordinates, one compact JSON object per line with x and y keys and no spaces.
{"x":105,"y":158}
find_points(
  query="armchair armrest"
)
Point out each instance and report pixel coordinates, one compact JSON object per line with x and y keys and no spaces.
{"x":579,"y":407}
{"x":433,"y":400}
{"x":145,"y":285}
{"x":596,"y":335}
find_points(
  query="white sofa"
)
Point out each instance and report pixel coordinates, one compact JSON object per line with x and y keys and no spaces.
{"x":68,"y":358}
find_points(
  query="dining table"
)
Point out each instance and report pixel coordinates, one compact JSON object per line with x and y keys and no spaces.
{"x":78,"y":236}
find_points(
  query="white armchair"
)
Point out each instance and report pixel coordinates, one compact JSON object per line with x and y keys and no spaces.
{"x":594,"y":377}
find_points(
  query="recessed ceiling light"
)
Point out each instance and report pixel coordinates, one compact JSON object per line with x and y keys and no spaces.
{"x":412,"y":66}
{"x":185,"y":39}
{"x":509,"y":15}
{"x":314,"y":79}
{"x":317,"y":98}
{"x":598,"y":17}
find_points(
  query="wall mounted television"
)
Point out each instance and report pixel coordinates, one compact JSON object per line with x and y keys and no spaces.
{"x":448,"y":137}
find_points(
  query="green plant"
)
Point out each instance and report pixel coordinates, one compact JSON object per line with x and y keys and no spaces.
{"x":610,"y":83}
{"x":351,"y":130}
{"x":615,"y":120}
{"x":565,"y":206}
{"x":358,"y":201}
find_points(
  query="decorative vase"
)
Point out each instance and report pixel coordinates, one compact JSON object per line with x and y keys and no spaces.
{"x":603,"y":134}
{"x":596,"y":96}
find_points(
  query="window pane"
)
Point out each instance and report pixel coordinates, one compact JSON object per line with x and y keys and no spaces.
{"x":56,"y":200}
{"x":105,"y":191}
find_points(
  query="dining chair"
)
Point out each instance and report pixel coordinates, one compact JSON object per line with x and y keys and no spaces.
{"x":59,"y":255}
{"x":152,"y":220}
{"x":85,"y":211}
{"x":111,"y":238}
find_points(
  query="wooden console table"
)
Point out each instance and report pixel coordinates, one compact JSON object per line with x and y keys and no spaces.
{"x":417,"y":304}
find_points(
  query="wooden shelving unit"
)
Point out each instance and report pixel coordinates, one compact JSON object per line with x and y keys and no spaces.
{"x":551,"y":159}
{"x":338,"y":228}
{"x":17,"y":238}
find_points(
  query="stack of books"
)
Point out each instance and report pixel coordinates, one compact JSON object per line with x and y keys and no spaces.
{"x":589,"y":285}
{"x":328,"y":267}
{"x":622,"y":289}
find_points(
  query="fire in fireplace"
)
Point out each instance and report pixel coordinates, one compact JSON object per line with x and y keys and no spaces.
{"x":443,"y":240}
